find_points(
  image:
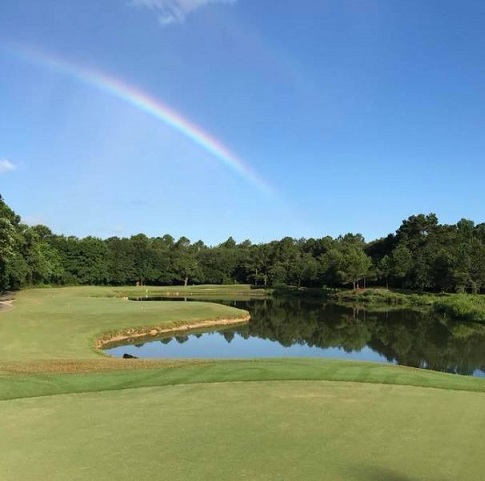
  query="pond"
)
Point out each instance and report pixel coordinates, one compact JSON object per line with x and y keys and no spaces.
{"x":297,"y":328}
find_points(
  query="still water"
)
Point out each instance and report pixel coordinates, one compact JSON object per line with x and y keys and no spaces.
{"x":296,"y":328}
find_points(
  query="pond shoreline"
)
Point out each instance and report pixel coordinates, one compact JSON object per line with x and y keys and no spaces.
{"x":150,"y":332}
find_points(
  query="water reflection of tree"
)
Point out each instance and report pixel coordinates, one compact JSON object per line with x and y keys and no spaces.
{"x":407,"y":337}
{"x":228,"y":335}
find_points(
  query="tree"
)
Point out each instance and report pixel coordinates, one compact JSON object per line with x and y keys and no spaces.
{"x":185,"y":261}
{"x":414,"y":231}
{"x":43,"y":260}
{"x":400,"y":262}
{"x":8,"y":242}
{"x":257,"y":264}
{"x":303,"y":270}
{"x":13,"y":269}
{"x":121,"y":261}
{"x":384,"y":269}
{"x":355,"y":265}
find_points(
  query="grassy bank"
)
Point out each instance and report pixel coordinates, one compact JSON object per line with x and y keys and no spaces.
{"x":78,"y":415}
{"x":46,"y":378}
{"x":464,"y":307}
{"x":385,"y":297}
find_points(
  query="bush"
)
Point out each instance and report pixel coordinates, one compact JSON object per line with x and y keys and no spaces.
{"x":462,"y":307}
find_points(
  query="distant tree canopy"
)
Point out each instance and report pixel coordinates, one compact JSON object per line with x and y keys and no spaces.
{"x":422,"y":254}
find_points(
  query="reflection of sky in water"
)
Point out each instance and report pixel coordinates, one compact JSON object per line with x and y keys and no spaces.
{"x":214,"y":345}
{"x":406,"y":337}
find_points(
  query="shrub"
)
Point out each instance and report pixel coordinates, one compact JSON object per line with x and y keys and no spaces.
{"x":462,"y":307}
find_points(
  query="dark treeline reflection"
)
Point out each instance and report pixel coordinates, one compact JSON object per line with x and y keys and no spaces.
{"x":405,"y":337}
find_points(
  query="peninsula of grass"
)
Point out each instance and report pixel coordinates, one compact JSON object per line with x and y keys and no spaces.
{"x":76,"y":414}
{"x":65,"y":323}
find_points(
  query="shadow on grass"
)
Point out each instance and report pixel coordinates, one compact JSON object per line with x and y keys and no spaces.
{"x":375,"y":473}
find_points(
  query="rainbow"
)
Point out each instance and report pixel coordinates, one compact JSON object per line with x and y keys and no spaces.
{"x":143,"y":102}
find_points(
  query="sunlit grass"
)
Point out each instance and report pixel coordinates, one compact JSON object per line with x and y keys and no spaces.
{"x":312,"y":431}
{"x":463,"y":307}
{"x":64,"y":323}
{"x":77,"y":415}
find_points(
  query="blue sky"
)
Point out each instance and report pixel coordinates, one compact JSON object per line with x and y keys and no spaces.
{"x":355,"y":113}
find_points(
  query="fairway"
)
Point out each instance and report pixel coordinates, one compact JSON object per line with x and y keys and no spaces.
{"x":76,"y":415}
{"x":64,"y":323}
{"x":258,"y":431}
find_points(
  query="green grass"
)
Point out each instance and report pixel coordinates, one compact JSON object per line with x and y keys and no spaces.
{"x":257,"y":431}
{"x":61,"y":377}
{"x":64,"y":323}
{"x":463,"y":307}
{"x":207,"y":291}
{"x":460,"y":307}
{"x":75,"y":415}
{"x":374,"y":297}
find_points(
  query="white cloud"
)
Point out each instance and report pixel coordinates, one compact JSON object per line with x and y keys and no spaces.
{"x":175,"y":11}
{"x":6,"y":166}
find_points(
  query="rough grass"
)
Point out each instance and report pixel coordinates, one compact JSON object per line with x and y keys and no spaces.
{"x":385,"y":297}
{"x":464,"y":307}
{"x":75,"y":415}
{"x":461,"y":307}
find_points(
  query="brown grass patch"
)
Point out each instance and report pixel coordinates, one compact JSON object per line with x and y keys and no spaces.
{"x":70,"y":366}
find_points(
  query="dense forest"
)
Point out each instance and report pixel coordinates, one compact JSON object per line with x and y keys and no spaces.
{"x":422,"y":254}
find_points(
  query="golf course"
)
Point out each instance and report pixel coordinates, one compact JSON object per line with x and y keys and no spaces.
{"x":69,"y":412}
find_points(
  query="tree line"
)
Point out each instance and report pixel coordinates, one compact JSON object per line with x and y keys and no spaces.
{"x":422,"y":254}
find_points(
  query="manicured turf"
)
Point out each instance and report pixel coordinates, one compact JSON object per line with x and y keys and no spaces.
{"x":257,"y":431}
{"x":49,"y":378}
{"x":70,"y":414}
{"x":63,"y":323}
